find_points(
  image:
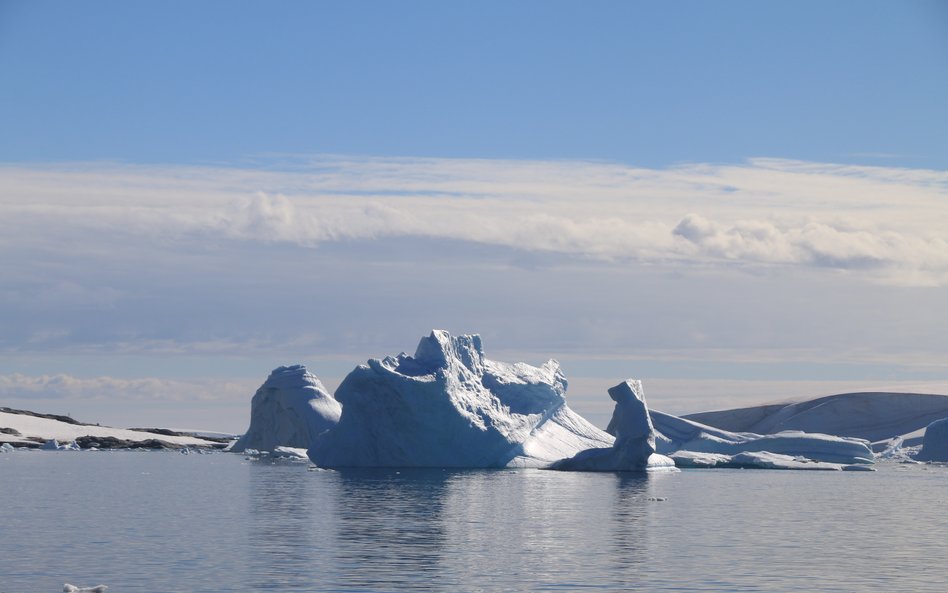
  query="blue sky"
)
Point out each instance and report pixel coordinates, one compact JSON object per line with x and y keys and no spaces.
{"x":649,"y":83}
{"x":732,"y":201}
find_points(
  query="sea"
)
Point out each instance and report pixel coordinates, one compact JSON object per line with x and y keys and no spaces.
{"x":154,"y":522}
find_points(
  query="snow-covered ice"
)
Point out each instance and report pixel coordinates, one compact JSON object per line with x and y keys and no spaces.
{"x":450,"y":406}
{"x":680,"y":434}
{"x":874,"y":416}
{"x":757,"y":460}
{"x":634,"y":446}
{"x":935,"y":443}
{"x":290,"y":409}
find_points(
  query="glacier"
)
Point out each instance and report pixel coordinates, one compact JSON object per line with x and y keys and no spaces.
{"x":879,"y":417}
{"x":451,"y":406}
{"x":290,"y":409}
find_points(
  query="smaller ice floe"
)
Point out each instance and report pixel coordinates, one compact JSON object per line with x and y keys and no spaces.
{"x":935,"y":443}
{"x":758,"y":460}
{"x":634,"y":447}
{"x":290,"y":454}
{"x":897,"y":451}
{"x":7,"y":448}
{"x":674,"y":434}
{"x":67,"y":588}
{"x":290,"y":409}
{"x":54,"y":445}
{"x":282,"y":453}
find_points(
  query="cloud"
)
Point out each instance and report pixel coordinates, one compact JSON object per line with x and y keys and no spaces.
{"x":17,"y":386}
{"x":882,"y":224}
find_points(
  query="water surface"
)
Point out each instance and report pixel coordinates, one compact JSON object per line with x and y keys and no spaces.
{"x":164,"y":522}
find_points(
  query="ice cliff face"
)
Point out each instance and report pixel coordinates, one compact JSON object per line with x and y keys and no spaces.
{"x":634,"y":446}
{"x":290,"y":409}
{"x":450,"y":406}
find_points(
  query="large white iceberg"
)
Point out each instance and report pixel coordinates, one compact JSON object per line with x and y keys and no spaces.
{"x":680,"y":434}
{"x":450,"y":406}
{"x":634,"y":446}
{"x":290,"y":409}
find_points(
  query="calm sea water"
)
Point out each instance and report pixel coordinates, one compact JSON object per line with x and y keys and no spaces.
{"x":165,"y":522}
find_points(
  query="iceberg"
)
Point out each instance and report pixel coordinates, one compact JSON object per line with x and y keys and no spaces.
{"x":676,"y":434}
{"x":451,"y":406}
{"x":290,"y":409}
{"x":634,"y":446}
{"x":935,"y":443}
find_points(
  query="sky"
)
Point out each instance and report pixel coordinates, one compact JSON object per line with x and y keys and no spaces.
{"x":735,"y":202}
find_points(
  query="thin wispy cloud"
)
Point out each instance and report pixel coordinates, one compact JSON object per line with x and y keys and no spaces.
{"x":18,"y":386}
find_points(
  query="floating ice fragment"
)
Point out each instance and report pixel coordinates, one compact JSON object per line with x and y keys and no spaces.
{"x":67,"y":588}
{"x":54,"y":445}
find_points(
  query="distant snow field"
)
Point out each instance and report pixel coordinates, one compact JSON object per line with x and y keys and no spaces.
{"x":19,"y":429}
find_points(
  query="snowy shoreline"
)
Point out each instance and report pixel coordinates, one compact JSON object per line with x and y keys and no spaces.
{"x":25,"y":429}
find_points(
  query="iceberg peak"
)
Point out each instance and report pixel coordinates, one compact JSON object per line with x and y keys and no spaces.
{"x":440,"y":349}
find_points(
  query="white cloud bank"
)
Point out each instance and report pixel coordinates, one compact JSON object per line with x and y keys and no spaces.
{"x":881,"y":224}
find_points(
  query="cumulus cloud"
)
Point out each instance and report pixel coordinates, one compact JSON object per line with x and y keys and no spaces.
{"x":884,"y":223}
